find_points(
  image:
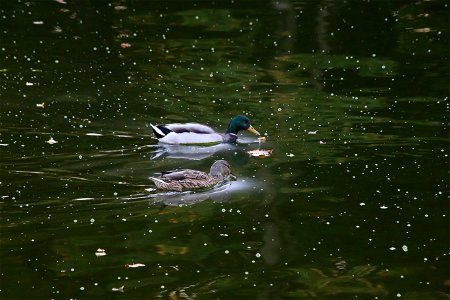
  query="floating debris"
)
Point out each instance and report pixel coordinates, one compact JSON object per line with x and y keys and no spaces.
{"x":422,"y":30}
{"x":29,"y":83}
{"x":51,"y":141}
{"x":41,"y":105}
{"x":38,"y":22}
{"x":125,"y":45}
{"x":100,"y":252}
{"x":57,"y":29}
{"x":260,"y":153}
{"x":312,"y":132}
{"x":120,"y":289}
{"x":94,"y":134}
{"x":290,"y":155}
{"x":134,"y":265}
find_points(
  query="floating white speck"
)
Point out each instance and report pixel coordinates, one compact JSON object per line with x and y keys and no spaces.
{"x":383,"y":207}
{"x":38,"y":22}
{"x":29,"y":83}
{"x":405,"y":248}
{"x":100,"y":252}
{"x":290,"y":155}
{"x":150,"y":189}
{"x":94,"y":134}
{"x":312,"y":132}
{"x":4,"y":145}
{"x":41,"y":105}
{"x":134,"y":265}
{"x":83,"y":199}
{"x":118,"y":289}
{"x":362,"y":204}
{"x":392,"y":248}
{"x":51,"y":141}
{"x":322,"y":142}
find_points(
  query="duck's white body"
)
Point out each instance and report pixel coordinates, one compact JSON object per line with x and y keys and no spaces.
{"x":188,"y":133}
{"x":196,"y":134}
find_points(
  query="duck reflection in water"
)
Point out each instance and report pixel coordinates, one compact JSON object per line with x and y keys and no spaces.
{"x":219,"y":193}
{"x":199,"y":152}
{"x":188,"y":152}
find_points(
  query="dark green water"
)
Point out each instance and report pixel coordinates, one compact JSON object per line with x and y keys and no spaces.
{"x":353,"y":97}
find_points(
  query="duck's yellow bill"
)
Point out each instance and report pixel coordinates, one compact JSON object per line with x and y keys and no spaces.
{"x":253,"y":130}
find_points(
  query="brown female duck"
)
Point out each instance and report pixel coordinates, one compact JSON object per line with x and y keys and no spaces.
{"x":187,"y":179}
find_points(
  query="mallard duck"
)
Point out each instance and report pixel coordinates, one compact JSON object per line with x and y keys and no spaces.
{"x":187,"y":179}
{"x":194,"y":133}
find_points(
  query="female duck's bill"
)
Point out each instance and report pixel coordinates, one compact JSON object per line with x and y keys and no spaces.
{"x":194,"y":133}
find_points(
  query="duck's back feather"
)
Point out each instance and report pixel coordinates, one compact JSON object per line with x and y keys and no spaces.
{"x":183,"y":174}
{"x":188,"y":133}
{"x":180,"y":180}
{"x":189,"y":127}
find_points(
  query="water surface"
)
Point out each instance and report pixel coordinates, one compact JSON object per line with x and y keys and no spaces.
{"x":352,"y":97}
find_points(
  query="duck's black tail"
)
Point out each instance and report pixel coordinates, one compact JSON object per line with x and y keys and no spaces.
{"x":160,"y":131}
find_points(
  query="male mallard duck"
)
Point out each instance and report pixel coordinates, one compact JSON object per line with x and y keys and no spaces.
{"x":187,"y":179}
{"x":194,"y":133}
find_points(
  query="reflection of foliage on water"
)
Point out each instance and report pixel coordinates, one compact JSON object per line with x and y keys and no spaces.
{"x":300,"y":282}
{"x":211,"y":19}
{"x":354,"y":281}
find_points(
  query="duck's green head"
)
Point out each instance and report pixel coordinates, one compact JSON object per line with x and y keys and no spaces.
{"x":239,"y":123}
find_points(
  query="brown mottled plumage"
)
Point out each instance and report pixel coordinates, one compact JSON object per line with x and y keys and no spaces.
{"x":187,"y":179}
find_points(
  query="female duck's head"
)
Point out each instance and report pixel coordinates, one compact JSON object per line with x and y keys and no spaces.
{"x":239,"y":123}
{"x":220,"y":168}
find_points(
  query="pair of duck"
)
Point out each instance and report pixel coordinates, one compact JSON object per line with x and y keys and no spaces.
{"x":197,"y":134}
